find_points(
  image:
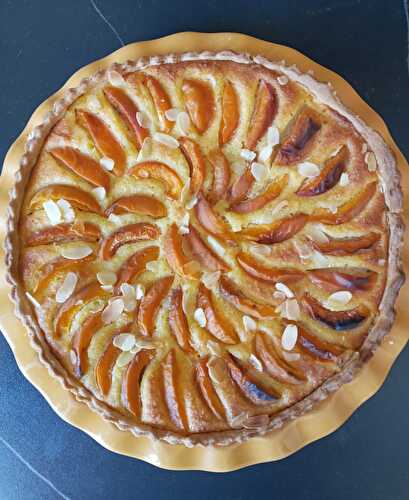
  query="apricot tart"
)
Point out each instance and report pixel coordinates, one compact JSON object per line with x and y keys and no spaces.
{"x":204,"y":246}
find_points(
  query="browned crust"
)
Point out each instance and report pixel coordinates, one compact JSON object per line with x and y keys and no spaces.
{"x":390,"y":181}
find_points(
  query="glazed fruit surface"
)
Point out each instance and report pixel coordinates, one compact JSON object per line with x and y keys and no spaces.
{"x":204,"y":244}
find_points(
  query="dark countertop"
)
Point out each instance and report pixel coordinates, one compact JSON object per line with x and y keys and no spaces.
{"x":41,"y":44}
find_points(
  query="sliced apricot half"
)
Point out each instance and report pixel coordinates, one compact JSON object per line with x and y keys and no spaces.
{"x":349,"y":278}
{"x":240,"y":187}
{"x":177,"y":320}
{"x":103,"y":138}
{"x":209,"y":220}
{"x":199,"y":103}
{"x":230,"y":113}
{"x":160,"y":172}
{"x":264,"y":111}
{"x":160,"y":99}
{"x":173,"y":392}
{"x":138,"y":204}
{"x":203,"y":253}
{"x":77,"y":231}
{"x":83,"y":165}
{"x":132,"y":378}
{"x":221,"y":176}
{"x":207,"y":390}
{"x":277,"y":232}
{"x":174,"y":253}
{"x":136,"y":265}
{"x":347,"y":246}
{"x":150,"y":304}
{"x":76,"y":196}
{"x":132,"y":233}
{"x":268,"y":274}
{"x":316,"y":347}
{"x":81,"y":341}
{"x":194,"y":157}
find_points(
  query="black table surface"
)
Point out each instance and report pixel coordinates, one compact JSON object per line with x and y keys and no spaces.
{"x":41,"y":44}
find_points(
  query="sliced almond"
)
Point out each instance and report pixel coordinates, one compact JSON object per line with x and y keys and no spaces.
{"x":66,"y":209}
{"x":344,"y":179}
{"x":192,"y":202}
{"x":106,"y":278}
{"x":342,"y":297}
{"x":52,"y":211}
{"x":115,"y":219}
{"x":249,"y":323}
{"x":113,"y":311}
{"x":282,"y":80}
{"x":183,"y":123}
{"x":214,"y":348}
{"x":143,"y":119}
{"x":316,"y":233}
{"x":139,"y":291}
{"x":216,"y":245}
{"x":291,"y":310}
{"x":289,"y":337}
{"x":281,"y":287}
{"x":210,"y":279}
{"x":273,"y":136}
{"x":107,"y":163}
{"x":67,"y":288}
{"x":370,"y":161}
{"x":33,"y":300}
{"x":172,"y":114}
{"x":265,"y":153}
{"x":99,"y":193}
{"x":124,"y":341}
{"x":256,"y":362}
{"x":308,"y":169}
{"x":216,"y":373}
{"x":247,"y":154}
{"x":124,"y":358}
{"x":200,"y":317}
{"x":166,"y":140}
{"x":259,"y":171}
{"x":74,"y":252}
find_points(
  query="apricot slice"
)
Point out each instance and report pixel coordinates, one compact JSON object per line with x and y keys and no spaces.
{"x":83,"y":165}
{"x":338,"y":320}
{"x":329,"y":176}
{"x":160,"y":172}
{"x":346,"y":212}
{"x":160,"y":99}
{"x":301,"y":138}
{"x":273,"y":364}
{"x":81,"y":341}
{"x":78,"y":231}
{"x":103,"y":138}
{"x":209,"y":220}
{"x":216,"y":323}
{"x":173,"y":396}
{"x":271,"y":193}
{"x":173,"y":250}
{"x":318,"y":348}
{"x":77,"y":197}
{"x":231,"y":292}
{"x":277,"y":232}
{"x":127,"y":110}
{"x":131,"y":382}
{"x":264,"y":111}
{"x":138,"y":204}
{"x":270,"y":275}
{"x":199,"y":103}
{"x":207,"y":389}
{"x":191,"y":151}
{"x":347,"y":246}
{"x":230,"y":113}
{"x":240,"y":187}
{"x":203,"y":253}
{"x":132,"y":233}
{"x":77,"y":300}
{"x":251,"y":388}
{"x":135,"y":265}
{"x":334,"y":279}
{"x":221,"y":176}
{"x":150,"y":304}
{"x":177,"y":320}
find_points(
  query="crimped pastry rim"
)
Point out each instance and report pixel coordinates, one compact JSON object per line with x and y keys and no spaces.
{"x":390,"y":179}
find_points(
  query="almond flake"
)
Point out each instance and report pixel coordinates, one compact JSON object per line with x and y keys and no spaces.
{"x":129,"y":296}
{"x":259,"y":171}
{"x":115,"y":219}
{"x":172,"y":114}
{"x":370,"y":161}
{"x":291,"y":310}
{"x":200,"y":317}
{"x":344,"y":179}
{"x":282,"y":80}
{"x":308,"y":169}
{"x":76,"y":252}
{"x":106,"y":277}
{"x":289,"y":337}
{"x":113,"y":311}
{"x":216,"y":374}
{"x":279,"y":295}
{"x":316,"y":233}
{"x":249,"y":323}
{"x":115,"y":78}
{"x":247,"y":154}
{"x":124,"y":341}
{"x":99,"y":193}
{"x":216,"y":245}
{"x":33,"y":300}
{"x":67,"y":288}
{"x":139,"y":291}
{"x":73,"y":357}
{"x":66,"y":209}
{"x":192,"y":202}
{"x":52,"y":211}
{"x":214,"y":348}
{"x":340,"y":298}
{"x":143,"y":119}
{"x":183,"y":123}
{"x":318,"y":259}
{"x":256,"y":362}
{"x":273,"y":136}
{"x":107,"y":163}
{"x":210,"y":279}
{"x":124,"y":358}
{"x":107,"y":288}
{"x":265,"y":153}
{"x":281,"y":287}
{"x":166,"y":140}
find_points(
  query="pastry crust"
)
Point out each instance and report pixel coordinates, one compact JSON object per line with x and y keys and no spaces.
{"x":388,"y":175}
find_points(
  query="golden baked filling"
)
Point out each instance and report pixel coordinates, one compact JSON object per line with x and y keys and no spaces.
{"x":205,"y":243}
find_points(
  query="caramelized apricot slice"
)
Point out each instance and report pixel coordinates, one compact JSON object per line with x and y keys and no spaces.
{"x":250,"y":387}
{"x":132,"y":233}
{"x":135,"y":265}
{"x":103,"y":369}
{"x":334,"y":279}
{"x":273,"y":364}
{"x":193,"y":155}
{"x":300,"y":139}
{"x":277,"y":232}
{"x":207,"y":389}
{"x":160,"y":99}
{"x":173,"y":250}
{"x":131,"y":382}
{"x":270,"y":275}
{"x":203,"y":253}
{"x":240,"y":187}
{"x":216,"y":323}
{"x":328,"y":177}
{"x":78,"y":231}
{"x":271,"y":193}
{"x":199,"y":103}
{"x":150,"y":304}
{"x":173,"y":396}
{"x":77,"y":300}
{"x":231,"y":292}
{"x":160,"y":172}
{"x":338,"y":320}
{"x":209,"y":220}
{"x":264,"y":111}
{"x":221,"y":176}
{"x":177,"y":320}
{"x":138,"y":204}
{"x":347,"y":246}
{"x":317,"y":348}
{"x":77,"y":197}
{"x":103,"y":138}
{"x":82,"y":165}
{"x":81,"y":341}
{"x":230,"y":113}
{"x":349,"y":210}
{"x":127,"y":110}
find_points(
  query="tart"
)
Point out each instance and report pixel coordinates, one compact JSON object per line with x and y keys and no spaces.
{"x":204,"y":245}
